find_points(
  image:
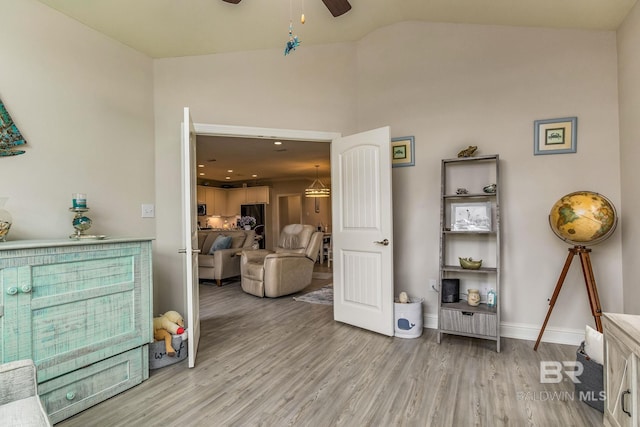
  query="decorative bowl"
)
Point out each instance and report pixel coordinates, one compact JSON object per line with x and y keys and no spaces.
{"x":470,"y":264}
{"x":490,"y":189}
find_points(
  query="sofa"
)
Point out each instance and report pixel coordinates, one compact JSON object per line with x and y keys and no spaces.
{"x":286,"y":270}
{"x":222,"y":263}
{"x":20,"y":404}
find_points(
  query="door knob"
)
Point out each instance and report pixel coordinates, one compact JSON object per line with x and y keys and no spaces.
{"x":384,"y":242}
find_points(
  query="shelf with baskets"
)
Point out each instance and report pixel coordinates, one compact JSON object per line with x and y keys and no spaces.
{"x":470,"y":229}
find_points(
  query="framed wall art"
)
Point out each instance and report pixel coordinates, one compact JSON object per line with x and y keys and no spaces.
{"x":471,"y":216}
{"x":402,"y":151}
{"x":555,"y":136}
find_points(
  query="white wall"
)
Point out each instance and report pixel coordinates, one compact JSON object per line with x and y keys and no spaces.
{"x":455,"y":85}
{"x":629,"y":94}
{"x":85,"y":105}
{"x":449,"y":86}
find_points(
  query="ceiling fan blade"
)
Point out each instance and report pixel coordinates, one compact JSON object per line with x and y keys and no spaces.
{"x":337,"y":7}
{"x":233,"y":1}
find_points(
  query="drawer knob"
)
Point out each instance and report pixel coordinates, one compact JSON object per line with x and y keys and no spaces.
{"x":71,"y":395}
{"x":12,"y":290}
{"x":26,"y":289}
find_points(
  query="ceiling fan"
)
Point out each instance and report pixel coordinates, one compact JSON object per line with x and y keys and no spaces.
{"x":336,"y":7}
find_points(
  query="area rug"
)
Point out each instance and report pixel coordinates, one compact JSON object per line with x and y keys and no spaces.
{"x":323,"y":296}
{"x":321,"y":276}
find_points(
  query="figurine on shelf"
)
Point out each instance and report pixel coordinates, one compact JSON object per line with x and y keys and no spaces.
{"x":470,"y":264}
{"x":468,"y":152}
{"x":489,"y":189}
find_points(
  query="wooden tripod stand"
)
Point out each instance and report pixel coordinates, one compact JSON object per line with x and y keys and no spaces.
{"x":589,"y":280}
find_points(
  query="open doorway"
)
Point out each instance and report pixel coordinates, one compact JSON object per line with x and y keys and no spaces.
{"x":245,"y":157}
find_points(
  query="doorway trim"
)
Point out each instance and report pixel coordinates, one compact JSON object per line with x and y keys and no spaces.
{"x":267,"y":133}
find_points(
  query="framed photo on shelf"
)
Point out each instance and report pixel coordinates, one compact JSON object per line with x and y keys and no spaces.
{"x":555,"y":136}
{"x":471,"y":216}
{"x":402,"y":152}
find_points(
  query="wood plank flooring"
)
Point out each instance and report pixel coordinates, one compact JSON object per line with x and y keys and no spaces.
{"x":278,"y":362}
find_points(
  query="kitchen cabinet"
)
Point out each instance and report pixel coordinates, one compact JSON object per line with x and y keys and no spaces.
{"x":235,"y":198}
{"x":216,"y":199}
{"x":220,"y":201}
{"x":227,"y":201}
{"x":258,"y":194}
{"x":201,"y":194}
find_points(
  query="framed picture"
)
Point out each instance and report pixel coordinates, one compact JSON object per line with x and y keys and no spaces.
{"x":471,"y":216}
{"x":402,"y":152}
{"x":555,"y":136}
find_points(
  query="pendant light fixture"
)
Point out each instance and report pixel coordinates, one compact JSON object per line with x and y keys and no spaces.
{"x":317,"y":188}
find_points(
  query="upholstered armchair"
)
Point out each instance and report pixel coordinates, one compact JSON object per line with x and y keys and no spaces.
{"x":286,"y":270}
{"x":19,"y":401}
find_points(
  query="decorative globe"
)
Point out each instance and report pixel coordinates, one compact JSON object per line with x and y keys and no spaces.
{"x":583,"y":217}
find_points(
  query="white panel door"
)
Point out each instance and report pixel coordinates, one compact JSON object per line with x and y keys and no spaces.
{"x":190,"y":234}
{"x":362,"y":230}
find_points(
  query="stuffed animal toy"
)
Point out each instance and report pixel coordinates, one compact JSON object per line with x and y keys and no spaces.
{"x":163,"y":326}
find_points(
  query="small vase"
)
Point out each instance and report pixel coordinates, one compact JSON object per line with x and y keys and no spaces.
{"x":247,"y":227}
{"x":5,"y":220}
{"x":473,"y":298}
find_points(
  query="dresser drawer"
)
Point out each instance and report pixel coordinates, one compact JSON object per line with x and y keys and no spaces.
{"x":78,"y":390}
{"x":468,"y":322}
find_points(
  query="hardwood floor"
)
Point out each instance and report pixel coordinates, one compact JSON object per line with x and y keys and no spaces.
{"x":277,"y":362}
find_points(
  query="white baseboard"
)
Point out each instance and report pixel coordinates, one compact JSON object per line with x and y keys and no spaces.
{"x":525,"y":331}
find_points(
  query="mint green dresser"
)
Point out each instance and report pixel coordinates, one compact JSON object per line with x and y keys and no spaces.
{"x":82,"y":311}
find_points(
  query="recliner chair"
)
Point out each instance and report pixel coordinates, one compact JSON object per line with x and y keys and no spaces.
{"x":285,"y":271}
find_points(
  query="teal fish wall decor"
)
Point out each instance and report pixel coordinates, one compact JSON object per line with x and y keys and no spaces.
{"x":10,"y":136}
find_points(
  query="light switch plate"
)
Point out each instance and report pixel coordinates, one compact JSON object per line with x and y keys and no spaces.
{"x":148,"y":211}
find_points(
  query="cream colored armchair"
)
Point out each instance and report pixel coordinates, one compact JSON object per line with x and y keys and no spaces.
{"x":20,"y":404}
{"x":285,"y":271}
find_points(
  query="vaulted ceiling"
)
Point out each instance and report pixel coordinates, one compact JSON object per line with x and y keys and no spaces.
{"x":174,"y":28}
{"x":170,"y":28}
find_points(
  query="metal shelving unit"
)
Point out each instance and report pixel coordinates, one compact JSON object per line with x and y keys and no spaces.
{"x":471,"y":175}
